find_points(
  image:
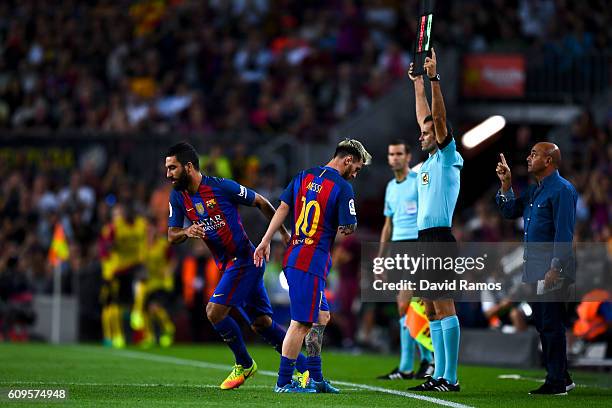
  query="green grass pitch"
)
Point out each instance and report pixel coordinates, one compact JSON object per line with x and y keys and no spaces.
{"x":190,"y":375}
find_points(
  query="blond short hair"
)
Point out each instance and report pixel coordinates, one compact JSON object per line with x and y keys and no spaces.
{"x":353,"y":147}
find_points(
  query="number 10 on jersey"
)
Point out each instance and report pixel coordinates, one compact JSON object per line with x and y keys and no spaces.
{"x":302,"y":221}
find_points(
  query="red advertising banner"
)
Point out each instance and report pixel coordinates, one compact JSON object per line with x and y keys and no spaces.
{"x":494,"y":75}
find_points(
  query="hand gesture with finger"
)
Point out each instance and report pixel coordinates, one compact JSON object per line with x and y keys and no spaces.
{"x":430,"y":64}
{"x":503,"y":172}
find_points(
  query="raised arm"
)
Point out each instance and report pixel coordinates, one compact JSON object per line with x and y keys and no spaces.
{"x":422,"y":106}
{"x":267,"y":209}
{"x":508,"y":205}
{"x":503,"y":173}
{"x":263,"y":249}
{"x":438,"y":110}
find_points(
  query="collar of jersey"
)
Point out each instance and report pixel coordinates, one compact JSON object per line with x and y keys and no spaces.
{"x":410,"y":174}
{"x":330,"y":168}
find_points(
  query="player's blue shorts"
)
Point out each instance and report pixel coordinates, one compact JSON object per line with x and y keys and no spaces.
{"x":243,"y":288}
{"x":306,"y":295}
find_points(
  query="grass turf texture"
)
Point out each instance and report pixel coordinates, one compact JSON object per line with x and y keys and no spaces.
{"x":190,"y":375}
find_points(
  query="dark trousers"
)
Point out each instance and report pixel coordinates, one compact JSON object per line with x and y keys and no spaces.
{"x":550,"y":319}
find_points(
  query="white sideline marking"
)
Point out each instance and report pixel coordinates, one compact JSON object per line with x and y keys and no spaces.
{"x":518,"y":377}
{"x":203,"y":364}
{"x":539,"y":380}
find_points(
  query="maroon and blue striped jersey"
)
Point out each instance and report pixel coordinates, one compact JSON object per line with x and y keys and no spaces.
{"x":321,"y":201}
{"x":215,"y":207}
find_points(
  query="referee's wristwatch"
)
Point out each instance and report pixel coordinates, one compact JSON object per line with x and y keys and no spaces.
{"x":435,"y":78}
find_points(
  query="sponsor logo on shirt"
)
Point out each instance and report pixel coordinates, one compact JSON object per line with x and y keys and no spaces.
{"x":243,"y":192}
{"x":410,"y":207}
{"x":305,"y":241}
{"x":212,"y":223}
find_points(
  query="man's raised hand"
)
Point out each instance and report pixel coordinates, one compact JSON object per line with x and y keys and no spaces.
{"x":503,"y":172}
{"x":411,"y":75}
{"x":430,"y":64}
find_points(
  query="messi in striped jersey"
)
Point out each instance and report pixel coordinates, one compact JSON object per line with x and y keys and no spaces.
{"x":323,"y":203}
{"x":210,"y":207}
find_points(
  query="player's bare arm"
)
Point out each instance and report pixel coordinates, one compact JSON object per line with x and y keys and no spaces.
{"x":385,"y":235}
{"x":347,"y":229}
{"x":504,"y":174}
{"x":177,"y":235}
{"x":422,"y":106}
{"x":263,"y":249}
{"x":267,"y":209}
{"x":438,"y":110}
{"x":341,"y":256}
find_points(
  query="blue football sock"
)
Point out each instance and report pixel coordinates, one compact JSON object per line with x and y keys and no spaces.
{"x":407,"y":345}
{"x":451,"y":334}
{"x":301,"y":364}
{"x":232,"y":336}
{"x":275,"y":334}
{"x":426,"y":354}
{"x":313,"y":364}
{"x":435,"y":327}
{"x":285,"y":371}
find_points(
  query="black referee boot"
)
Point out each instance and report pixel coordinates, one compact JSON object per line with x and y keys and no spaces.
{"x":396,"y":374}
{"x":445,"y":386}
{"x":425,"y":370}
{"x":428,"y":385}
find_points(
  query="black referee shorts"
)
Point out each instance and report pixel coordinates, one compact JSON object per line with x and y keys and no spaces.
{"x":436,"y":234}
{"x":427,"y":246}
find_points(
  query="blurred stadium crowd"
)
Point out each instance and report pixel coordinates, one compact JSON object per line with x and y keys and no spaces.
{"x":284,"y":66}
{"x":262,"y":66}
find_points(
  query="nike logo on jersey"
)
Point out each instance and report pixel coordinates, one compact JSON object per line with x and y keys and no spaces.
{"x":190,"y":209}
{"x":217,"y":295}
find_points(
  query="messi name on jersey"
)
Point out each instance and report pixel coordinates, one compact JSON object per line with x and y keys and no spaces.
{"x":314,"y":187}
